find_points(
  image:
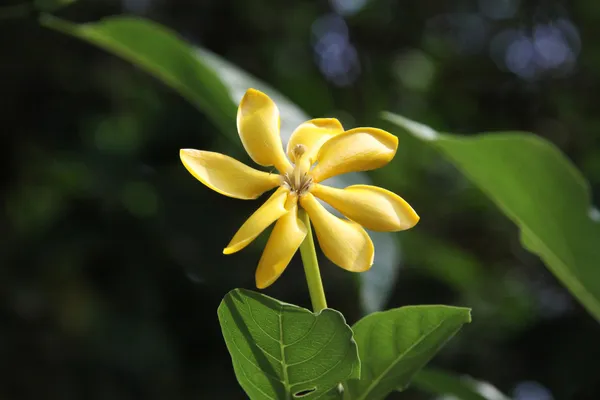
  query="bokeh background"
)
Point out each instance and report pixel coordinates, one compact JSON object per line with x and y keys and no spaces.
{"x":111,"y":264}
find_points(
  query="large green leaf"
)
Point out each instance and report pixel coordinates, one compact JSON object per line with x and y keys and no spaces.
{"x":160,"y":52}
{"x":215,"y":86}
{"x":395,"y":344}
{"x":282,"y":351}
{"x":538,"y":188}
{"x":462,"y":388}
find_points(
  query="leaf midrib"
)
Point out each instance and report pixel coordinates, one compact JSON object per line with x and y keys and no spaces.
{"x":286,"y":382}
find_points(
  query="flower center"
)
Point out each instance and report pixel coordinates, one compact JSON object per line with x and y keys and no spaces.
{"x":299,"y":180}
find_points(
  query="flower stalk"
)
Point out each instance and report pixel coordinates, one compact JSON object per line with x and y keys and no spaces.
{"x":311,"y":266}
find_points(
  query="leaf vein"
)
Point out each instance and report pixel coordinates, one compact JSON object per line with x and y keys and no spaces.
{"x":286,"y":382}
{"x":254,"y":384}
{"x":303,"y":336}
{"x":328,"y":370}
{"x":250,"y":361}
{"x":379,"y":378}
{"x":316,"y":354}
{"x":255,"y":321}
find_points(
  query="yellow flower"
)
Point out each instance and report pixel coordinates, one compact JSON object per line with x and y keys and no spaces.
{"x":317,"y":150}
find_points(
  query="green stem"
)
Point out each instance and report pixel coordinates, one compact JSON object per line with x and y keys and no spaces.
{"x":313,"y":275}
{"x":311,"y":266}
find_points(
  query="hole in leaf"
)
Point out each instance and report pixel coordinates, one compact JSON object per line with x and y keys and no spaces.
{"x":304,"y":393}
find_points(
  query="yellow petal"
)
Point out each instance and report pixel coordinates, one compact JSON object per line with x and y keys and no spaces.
{"x":258,"y":126}
{"x":286,"y":237}
{"x":359,"y":149}
{"x":268,"y":213}
{"x":312,"y":134}
{"x":370,"y":206}
{"x":227,"y":175}
{"x":344,"y":242}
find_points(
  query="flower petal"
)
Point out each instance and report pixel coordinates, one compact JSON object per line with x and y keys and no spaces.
{"x":370,"y":206}
{"x":285,"y":239}
{"x":258,"y":126}
{"x":359,"y":149}
{"x":313,"y":134}
{"x":268,"y":213}
{"x":227,"y":175}
{"x":344,"y":242}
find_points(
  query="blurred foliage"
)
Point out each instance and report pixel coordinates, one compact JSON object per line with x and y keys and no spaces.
{"x":464,"y":388}
{"x":112,"y":265}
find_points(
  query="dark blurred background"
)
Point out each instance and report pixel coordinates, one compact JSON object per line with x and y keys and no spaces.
{"x":111,"y":252}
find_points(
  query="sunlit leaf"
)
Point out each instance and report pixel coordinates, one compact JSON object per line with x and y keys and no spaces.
{"x":282,"y":351}
{"x":237,"y":81}
{"x":395,"y":344}
{"x":540,"y":190}
{"x":458,"y":387}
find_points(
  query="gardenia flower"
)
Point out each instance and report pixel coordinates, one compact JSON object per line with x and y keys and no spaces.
{"x":317,"y":150}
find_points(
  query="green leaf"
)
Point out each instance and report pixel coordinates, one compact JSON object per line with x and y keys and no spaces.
{"x":444,"y":383}
{"x":540,"y":190}
{"x":282,"y":351}
{"x":237,"y":81}
{"x":395,"y":344}
{"x":160,"y":52}
{"x":215,"y":86}
{"x":333,"y":394}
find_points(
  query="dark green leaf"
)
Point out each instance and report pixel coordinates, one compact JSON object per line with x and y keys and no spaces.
{"x":159,"y":51}
{"x":282,"y":351}
{"x":395,"y":344}
{"x":539,"y":189}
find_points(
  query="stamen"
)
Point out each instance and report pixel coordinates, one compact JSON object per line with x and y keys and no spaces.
{"x":299,"y":180}
{"x":298,"y":183}
{"x":286,"y":181}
